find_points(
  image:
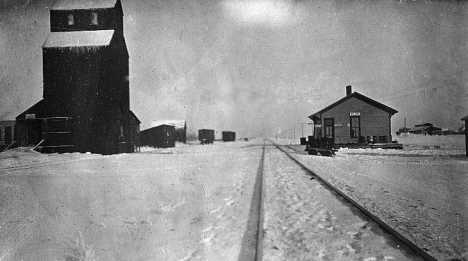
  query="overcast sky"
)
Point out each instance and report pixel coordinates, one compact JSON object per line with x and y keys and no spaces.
{"x":258,"y":67}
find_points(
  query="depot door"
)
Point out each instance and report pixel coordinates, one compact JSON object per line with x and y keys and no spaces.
{"x":329,"y":124}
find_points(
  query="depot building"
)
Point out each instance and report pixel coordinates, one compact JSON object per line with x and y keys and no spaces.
{"x":354,"y":119}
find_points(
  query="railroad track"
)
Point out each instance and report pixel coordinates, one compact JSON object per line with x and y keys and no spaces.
{"x":385,"y":227}
{"x":252,"y":243}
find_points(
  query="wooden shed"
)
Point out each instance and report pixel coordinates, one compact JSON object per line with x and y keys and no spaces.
{"x":179,"y":125}
{"x":162,"y":136}
{"x":354,"y":119}
{"x":86,"y":103}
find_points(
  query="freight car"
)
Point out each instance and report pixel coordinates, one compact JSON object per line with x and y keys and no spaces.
{"x":229,"y":136}
{"x":206,"y":136}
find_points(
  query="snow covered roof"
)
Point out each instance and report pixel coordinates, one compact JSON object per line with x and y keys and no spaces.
{"x":357,"y":96}
{"x":79,"y":39}
{"x":176,"y":123}
{"x":82,"y":4}
{"x":465,"y":118}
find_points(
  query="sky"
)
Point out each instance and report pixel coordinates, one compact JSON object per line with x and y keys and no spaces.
{"x":260,"y":67}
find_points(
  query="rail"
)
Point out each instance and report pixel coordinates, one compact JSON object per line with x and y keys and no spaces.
{"x":413,"y":247}
{"x":252,"y":243}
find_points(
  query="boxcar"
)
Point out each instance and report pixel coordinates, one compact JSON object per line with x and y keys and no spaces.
{"x":206,"y":136}
{"x":229,"y":136}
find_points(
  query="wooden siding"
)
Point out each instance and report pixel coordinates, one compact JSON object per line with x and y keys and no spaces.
{"x":91,"y":86}
{"x":374,"y":121}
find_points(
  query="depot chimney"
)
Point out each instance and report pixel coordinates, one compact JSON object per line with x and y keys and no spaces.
{"x":348,"y":90}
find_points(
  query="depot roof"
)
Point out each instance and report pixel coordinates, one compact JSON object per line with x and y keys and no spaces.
{"x":359,"y":97}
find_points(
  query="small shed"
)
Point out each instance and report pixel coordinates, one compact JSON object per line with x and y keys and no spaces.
{"x":179,"y":125}
{"x":161,"y":136}
{"x":466,"y":133}
{"x":354,"y":119}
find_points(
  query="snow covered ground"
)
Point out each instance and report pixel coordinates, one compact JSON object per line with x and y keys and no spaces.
{"x":185,"y":203}
{"x":306,"y":221}
{"x":422,"y":190}
{"x":192,"y":202}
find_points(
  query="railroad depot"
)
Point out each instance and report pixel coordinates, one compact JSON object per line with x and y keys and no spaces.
{"x":354,"y":119}
{"x":85,"y":105}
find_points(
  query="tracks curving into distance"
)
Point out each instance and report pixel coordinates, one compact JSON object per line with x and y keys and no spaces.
{"x":404,"y":241}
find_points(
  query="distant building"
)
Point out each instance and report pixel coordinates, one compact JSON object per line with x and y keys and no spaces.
{"x":425,"y":129}
{"x":445,"y":131}
{"x":85,"y":105}
{"x":162,"y":136}
{"x":7,"y":134}
{"x":354,"y":119}
{"x":179,"y":125}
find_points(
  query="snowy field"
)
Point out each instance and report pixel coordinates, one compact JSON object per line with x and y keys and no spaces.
{"x":422,"y":190}
{"x":185,"y":203}
{"x":192,"y":202}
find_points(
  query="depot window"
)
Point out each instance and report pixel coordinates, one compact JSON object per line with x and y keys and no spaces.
{"x":355,"y":126}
